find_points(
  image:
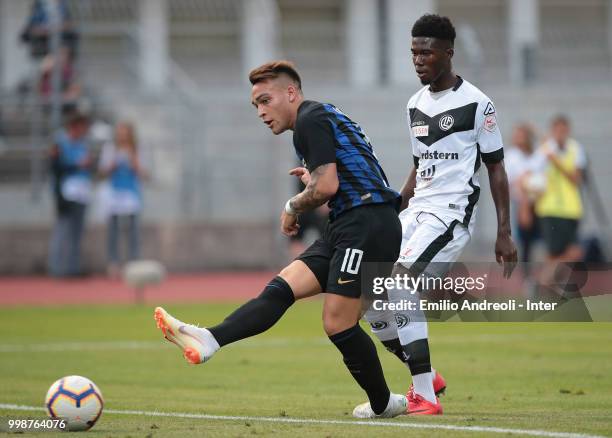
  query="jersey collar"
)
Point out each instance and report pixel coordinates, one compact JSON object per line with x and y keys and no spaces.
{"x":455,"y":87}
{"x":458,"y":83}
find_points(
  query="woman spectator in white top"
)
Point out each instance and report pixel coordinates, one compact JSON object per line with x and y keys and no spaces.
{"x":121,"y":163}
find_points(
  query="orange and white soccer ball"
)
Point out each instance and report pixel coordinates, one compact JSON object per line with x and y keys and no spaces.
{"x":76,"y":400}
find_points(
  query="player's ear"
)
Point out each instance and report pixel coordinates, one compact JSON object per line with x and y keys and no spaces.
{"x":450,"y":52}
{"x":292,"y":92}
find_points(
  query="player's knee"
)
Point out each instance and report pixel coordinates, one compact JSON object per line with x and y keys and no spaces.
{"x":278,"y":290}
{"x":335,"y":322}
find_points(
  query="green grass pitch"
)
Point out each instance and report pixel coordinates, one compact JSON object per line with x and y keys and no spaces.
{"x":537,"y":376}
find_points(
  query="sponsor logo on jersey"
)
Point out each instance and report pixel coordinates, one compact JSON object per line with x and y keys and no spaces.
{"x":428,"y":174}
{"x":489,"y":109}
{"x":420,"y":131}
{"x":446,"y":122}
{"x":435,"y":155}
{"x":490,"y":123}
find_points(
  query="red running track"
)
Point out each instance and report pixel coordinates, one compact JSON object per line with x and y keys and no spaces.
{"x":225,"y":286}
{"x":43,"y":291}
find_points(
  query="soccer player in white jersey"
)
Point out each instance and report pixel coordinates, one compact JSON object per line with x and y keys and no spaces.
{"x":453,"y":129}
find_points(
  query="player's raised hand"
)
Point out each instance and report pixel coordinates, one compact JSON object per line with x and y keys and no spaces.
{"x":302,"y":173}
{"x":505,"y":254}
{"x":289,"y":224}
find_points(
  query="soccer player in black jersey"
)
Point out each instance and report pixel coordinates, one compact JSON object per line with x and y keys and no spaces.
{"x":340,"y":169}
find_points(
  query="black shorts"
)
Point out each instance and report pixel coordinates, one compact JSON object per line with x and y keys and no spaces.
{"x":370,"y":234}
{"x":558,"y":233}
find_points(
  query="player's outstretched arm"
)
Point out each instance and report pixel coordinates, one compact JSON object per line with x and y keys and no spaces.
{"x":505,"y":251}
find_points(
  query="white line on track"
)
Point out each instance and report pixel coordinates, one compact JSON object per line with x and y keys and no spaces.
{"x":397,"y":424}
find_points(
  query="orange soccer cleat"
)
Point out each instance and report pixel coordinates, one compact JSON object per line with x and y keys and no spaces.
{"x":198,"y":344}
{"x":417,"y":405}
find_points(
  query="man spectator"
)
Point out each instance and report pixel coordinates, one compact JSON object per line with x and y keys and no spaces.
{"x":71,"y":163}
{"x":37,"y":31}
{"x":559,"y":208}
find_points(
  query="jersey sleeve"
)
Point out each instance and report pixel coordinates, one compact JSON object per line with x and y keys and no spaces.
{"x":488,"y":135}
{"x":317,"y":140}
{"x":415,"y":150}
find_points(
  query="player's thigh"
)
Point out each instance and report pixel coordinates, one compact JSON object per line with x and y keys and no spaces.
{"x":307,"y":274}
{"x":301,"y":279}
{"x":433,"y":245}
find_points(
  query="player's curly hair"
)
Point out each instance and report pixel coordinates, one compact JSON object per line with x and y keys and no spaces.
{"x":272,"y":70}
{"x":434,"y":26}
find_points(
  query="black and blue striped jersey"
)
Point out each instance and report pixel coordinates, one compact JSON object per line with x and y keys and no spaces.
{"x":324,"y":134}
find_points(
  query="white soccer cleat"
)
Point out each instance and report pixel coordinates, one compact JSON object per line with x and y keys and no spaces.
{"x":397,"y":406}
{"x":198,"y":344}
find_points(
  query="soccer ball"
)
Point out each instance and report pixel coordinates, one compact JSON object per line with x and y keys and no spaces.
{"x":76,"y":400}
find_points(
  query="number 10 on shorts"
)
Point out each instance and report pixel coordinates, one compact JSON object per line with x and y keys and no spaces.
{"x":352,"y":260}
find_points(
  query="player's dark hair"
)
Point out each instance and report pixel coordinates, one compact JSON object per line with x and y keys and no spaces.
{"x":434,"y":26}
{"x":273,"y":70}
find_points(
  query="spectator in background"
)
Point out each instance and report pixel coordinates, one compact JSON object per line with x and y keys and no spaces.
{"x":121,"y":163}
{"x":37,"y":31}
{"x":71,"y":169}
{"x":559,"y":208}
{"x":69,"y":86}
{"x":520,"y":162}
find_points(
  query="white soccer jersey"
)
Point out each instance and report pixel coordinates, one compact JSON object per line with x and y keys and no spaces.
{"x":451,"y":132}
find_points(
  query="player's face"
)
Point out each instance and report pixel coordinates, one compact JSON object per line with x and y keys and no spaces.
{"x":272,"y":100}
{"x":431,"y":59}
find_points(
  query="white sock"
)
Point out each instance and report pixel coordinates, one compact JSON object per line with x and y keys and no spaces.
{"x":209,"y":342}
{"x":423,"y":385}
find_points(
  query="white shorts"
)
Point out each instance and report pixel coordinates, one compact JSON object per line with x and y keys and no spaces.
{"x":430,"y":245}
{"x":431,"y":240}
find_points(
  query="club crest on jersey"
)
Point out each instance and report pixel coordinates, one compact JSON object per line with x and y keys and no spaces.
{"x":446,"y":122}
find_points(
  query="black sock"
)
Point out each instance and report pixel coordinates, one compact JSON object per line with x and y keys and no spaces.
{"x":418,"y":356}
{"x":360,"y":357}
{"x":257,"y":315}
{"x":394,"y":346}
